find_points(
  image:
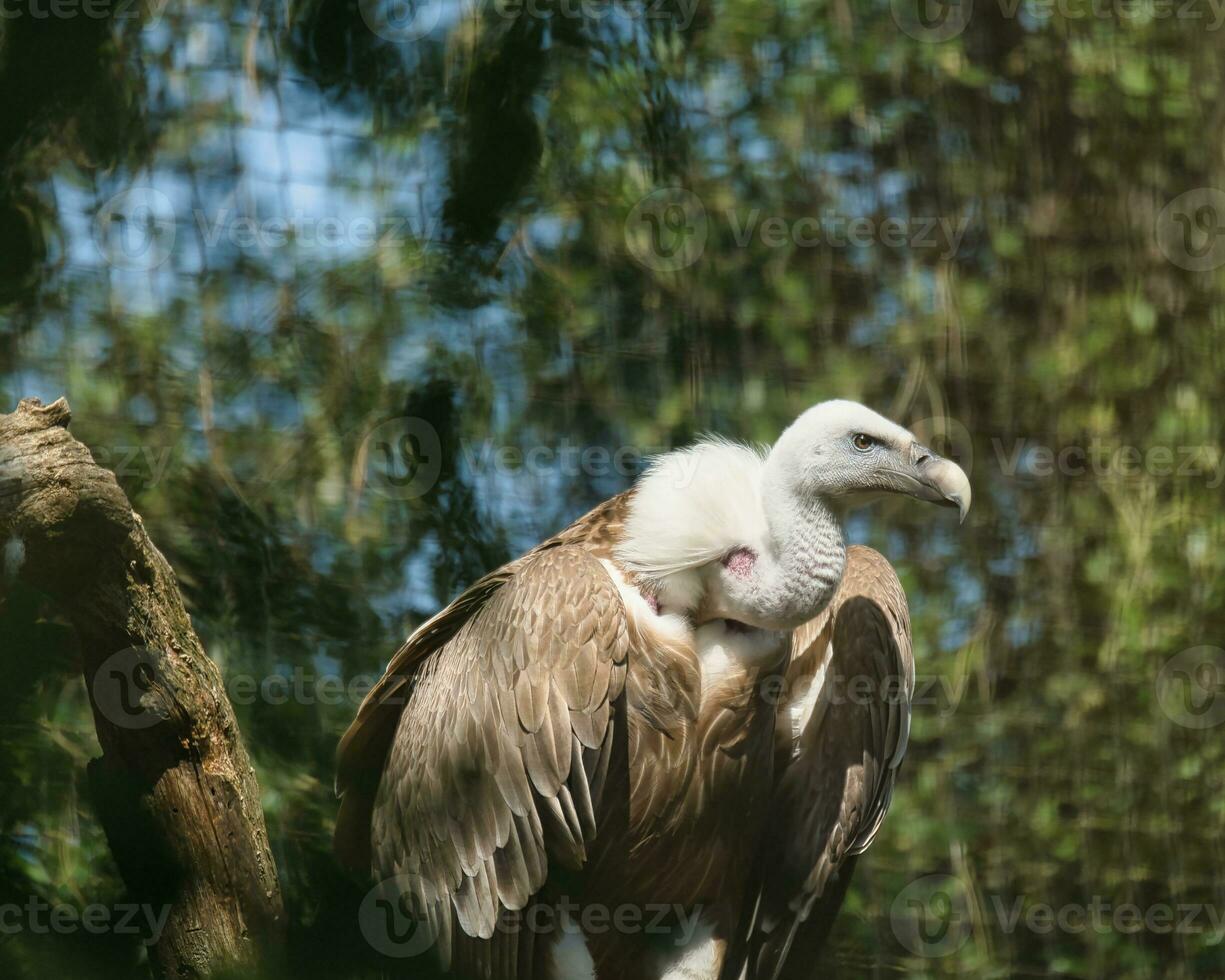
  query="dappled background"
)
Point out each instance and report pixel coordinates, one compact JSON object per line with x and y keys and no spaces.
{"x":360,"y":300}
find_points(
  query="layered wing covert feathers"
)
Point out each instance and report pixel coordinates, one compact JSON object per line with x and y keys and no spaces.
{"x":502,"y":718}
{"x":835,"y":775}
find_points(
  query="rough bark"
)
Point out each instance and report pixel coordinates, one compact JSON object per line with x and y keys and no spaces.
{"x":174,"y":788}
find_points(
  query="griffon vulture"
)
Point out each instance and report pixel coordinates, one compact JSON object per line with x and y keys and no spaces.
{"x":634,"y":752}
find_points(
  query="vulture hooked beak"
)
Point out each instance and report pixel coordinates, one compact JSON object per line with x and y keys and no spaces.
{"x":934,"y":479}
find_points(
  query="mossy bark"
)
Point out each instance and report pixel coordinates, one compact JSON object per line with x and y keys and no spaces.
{"x":174,"y":788}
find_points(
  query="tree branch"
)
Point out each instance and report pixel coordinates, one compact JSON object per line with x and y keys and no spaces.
{"x":175,"y":789}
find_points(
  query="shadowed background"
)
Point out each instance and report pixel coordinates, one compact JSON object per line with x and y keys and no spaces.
{"x":361,"y":301}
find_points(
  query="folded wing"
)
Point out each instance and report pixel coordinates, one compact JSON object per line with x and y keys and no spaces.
{"x":842,"y":738}
{"x":492,"y":732}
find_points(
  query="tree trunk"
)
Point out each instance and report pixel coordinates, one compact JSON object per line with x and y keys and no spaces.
{"x":174,"y":788}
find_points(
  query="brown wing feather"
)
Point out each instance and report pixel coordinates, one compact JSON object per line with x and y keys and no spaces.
{"x":497,"y":758}
{"x":363,"y":749}
{"x":837,"y":778}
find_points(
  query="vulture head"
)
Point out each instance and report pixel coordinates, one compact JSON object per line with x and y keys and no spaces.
{"x":841,"y":449}
{"x":722,"y":531}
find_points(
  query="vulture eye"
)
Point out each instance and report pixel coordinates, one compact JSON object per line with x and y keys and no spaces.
{"x":862,"y":442}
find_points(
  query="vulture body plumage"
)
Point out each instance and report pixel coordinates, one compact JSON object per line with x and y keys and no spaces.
{"x":634,"y":752}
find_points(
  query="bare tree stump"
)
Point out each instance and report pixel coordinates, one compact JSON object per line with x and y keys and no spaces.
{"x":175,"y":789}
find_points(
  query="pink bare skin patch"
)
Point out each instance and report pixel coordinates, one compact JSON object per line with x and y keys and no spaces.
{"x":740,"y":562}
{"x":652,"y":601}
